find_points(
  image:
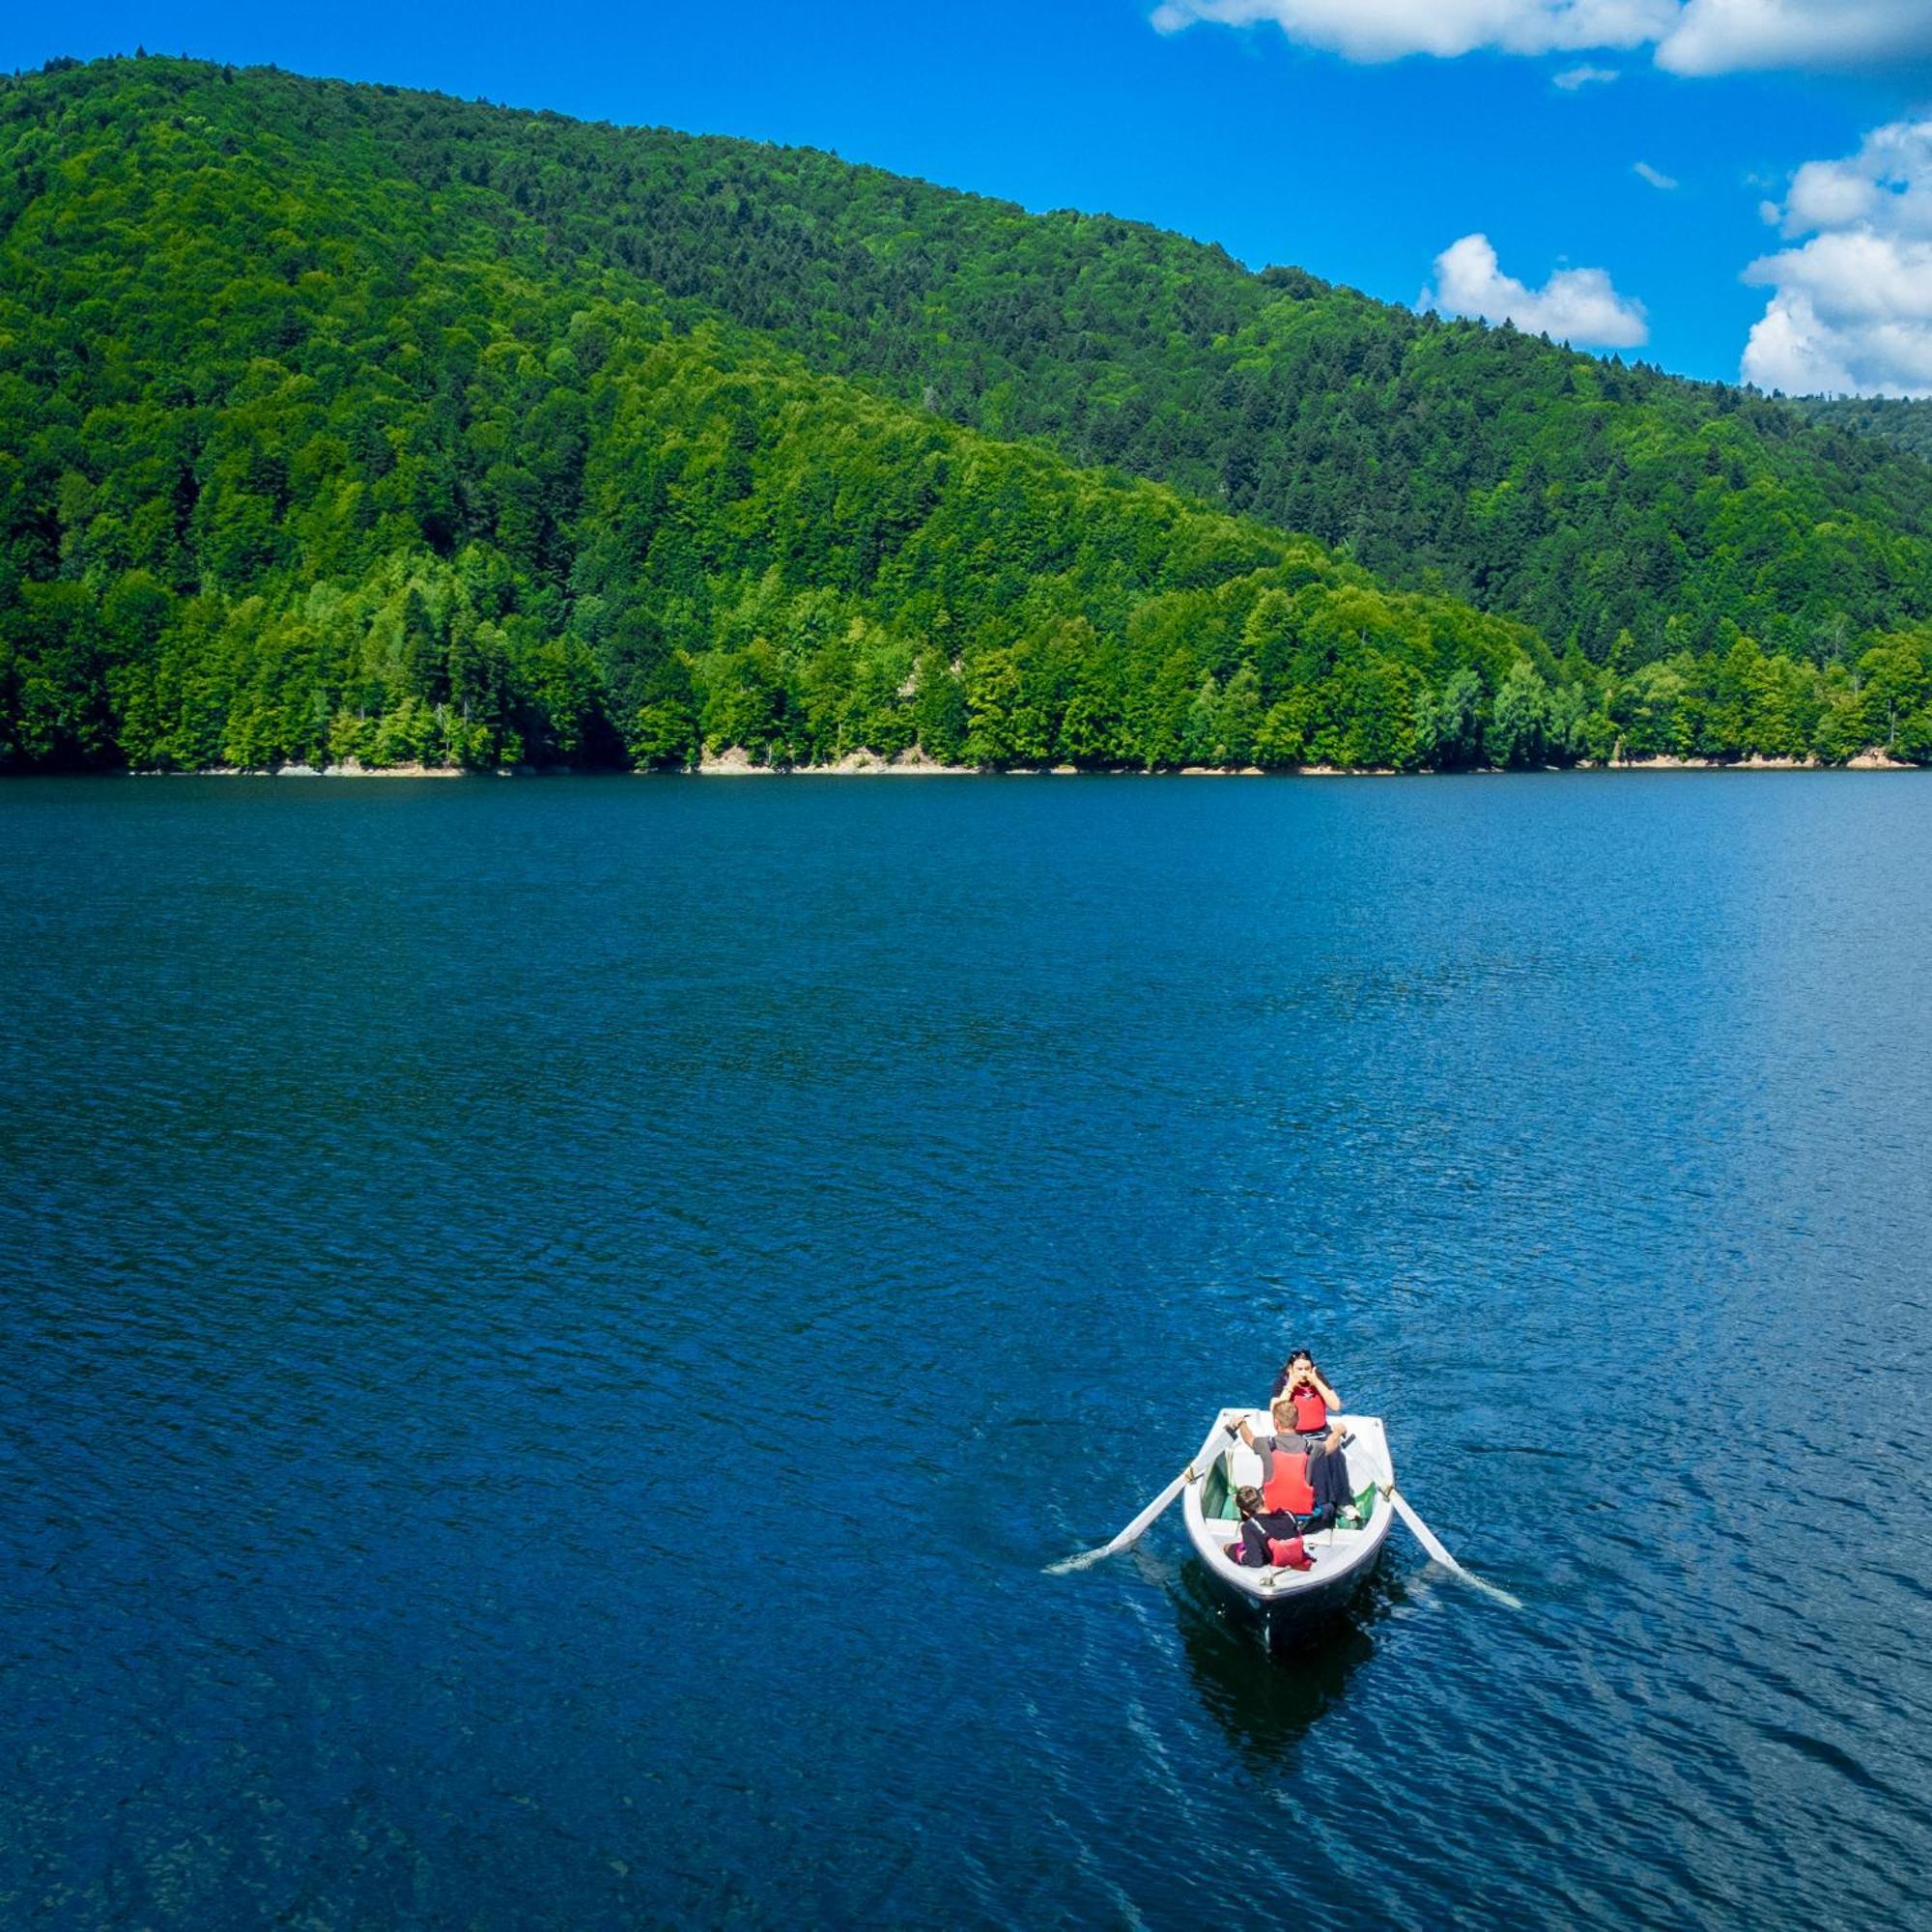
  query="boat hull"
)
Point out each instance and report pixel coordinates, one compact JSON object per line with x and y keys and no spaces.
{"x":1285,"y":1602}
{"x":1288,"y":1616}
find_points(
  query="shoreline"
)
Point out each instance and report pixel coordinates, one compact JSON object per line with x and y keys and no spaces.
{"x":859,"y":764}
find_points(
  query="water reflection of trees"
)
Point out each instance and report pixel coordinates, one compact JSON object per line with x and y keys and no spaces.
{"x":1267,"y":1697}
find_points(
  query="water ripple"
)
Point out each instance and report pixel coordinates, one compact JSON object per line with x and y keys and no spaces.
{"x":553,"y":1329}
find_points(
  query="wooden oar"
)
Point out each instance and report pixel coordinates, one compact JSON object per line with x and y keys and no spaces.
{"x":1434,"y":1545}
{"x":1202,"y":1458}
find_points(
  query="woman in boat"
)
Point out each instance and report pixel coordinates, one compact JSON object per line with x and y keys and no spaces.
{"x":1269,"y":1539}
{"x":1305,"y":1385}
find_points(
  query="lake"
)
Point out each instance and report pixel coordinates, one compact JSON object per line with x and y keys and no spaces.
{"x":552,"y":1329}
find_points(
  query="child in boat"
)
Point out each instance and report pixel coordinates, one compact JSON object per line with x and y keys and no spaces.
{"x":1269,"y":1539}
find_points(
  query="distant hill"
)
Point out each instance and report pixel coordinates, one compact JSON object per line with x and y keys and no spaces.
{"x":347,"y":422}
{"x":1905,"y":423}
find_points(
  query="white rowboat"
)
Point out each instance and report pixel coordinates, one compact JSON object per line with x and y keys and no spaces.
{"x":1285,"y":1599}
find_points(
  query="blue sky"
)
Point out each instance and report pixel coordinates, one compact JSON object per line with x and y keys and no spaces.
{"x":1270,"y":126}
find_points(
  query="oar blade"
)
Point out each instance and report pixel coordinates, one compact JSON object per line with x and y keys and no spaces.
{"x":1435,"y":1548}
{"x":1084,"y":1561}
{"x":1133,"y":1532}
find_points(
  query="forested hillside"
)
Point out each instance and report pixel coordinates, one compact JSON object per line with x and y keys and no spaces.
{"x":339,"y":422}
{"x":1586,"y":497}
{"x":1904,"y":422}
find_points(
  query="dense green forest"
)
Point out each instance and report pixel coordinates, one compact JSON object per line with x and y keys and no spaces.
{"x":341,"y":423}
{"x":1582,"y":496}
{"x":1904,"y":422}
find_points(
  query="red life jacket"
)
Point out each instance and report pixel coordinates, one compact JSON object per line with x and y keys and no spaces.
{"x":1285,"y":1553}
{"x":1287,"y":1487}
{"x":1311,"y":1412}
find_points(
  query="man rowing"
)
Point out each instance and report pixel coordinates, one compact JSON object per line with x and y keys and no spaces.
{"x":1302,"y":1473}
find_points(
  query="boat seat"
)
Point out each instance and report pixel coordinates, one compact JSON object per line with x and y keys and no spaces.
{"x":1241,"y":1464}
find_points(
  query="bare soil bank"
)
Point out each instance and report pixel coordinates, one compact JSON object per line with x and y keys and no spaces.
{"x":737,"y":763}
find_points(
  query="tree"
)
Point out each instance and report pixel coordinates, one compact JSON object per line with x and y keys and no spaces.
{"x":1241,"y":718}
{"x":53,"y":679}
{"x":1646,"y":709}
{"x":1201,"y":733}
{"x":939,"y":707}
{"x":1519,"y":722}
{"x":666,"y":733}
{"x":1895,"y":676}
{"x":1451,"y":737}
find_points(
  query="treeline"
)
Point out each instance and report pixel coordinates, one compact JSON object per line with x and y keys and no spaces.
{"x":1584,"y":496}
{"x":303,"y":462}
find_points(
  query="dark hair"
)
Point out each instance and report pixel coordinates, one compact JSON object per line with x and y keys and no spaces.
{"x":1248,"y":1499}
{"x":1300,"y":1356}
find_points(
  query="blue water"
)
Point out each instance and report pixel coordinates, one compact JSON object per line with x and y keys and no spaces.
{"x":551,"y":1328}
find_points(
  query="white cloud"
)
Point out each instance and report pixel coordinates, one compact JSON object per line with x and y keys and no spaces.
{"x":1724,"y":35}
{"x":1574,"y":77}
{"x":1574,"y":306}
{"x":1851,"y":304}
{"x":1790,"y":350}
{"x":1378,"y":30}
{"x":1656,"y":177}
{"x":1690,"y":37}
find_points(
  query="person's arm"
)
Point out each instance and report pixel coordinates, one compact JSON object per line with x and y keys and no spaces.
{"x":1246,"y":1434}
{"x":1323,"y":1390}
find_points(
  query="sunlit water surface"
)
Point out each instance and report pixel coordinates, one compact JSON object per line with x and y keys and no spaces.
{"x":550,"y":1330}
